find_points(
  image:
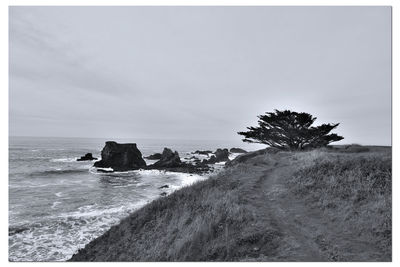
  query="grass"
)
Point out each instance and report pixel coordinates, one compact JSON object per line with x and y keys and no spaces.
{"x":210,"y":220}
{"x":354,"y":190}
{"x":229,"y":217}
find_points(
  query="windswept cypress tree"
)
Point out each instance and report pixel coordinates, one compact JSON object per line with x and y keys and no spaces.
{"x":290,"y":130}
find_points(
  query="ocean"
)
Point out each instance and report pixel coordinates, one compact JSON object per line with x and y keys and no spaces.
{"x":58,"y":205}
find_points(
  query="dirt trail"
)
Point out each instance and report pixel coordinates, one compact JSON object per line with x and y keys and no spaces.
{"x":308,"y":235}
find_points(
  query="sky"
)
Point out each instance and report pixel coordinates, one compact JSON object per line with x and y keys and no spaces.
{"x":197,"y":73}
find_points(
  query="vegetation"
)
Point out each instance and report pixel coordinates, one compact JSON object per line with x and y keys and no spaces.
{"x":270,"y":205}
{"x":290,"y":130}
{"x":355,"y":192}
{"x":212,"y":220}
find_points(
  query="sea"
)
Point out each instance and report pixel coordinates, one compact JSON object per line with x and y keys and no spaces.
{"x":58,"y":204}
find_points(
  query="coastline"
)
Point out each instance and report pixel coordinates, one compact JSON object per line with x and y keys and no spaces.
{"x":250,"y":211}
{"x":58,"y":204}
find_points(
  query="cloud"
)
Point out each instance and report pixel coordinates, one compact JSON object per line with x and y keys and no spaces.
{"x":197,"y":71}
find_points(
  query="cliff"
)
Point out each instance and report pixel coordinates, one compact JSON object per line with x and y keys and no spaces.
{"x":321,"y":205}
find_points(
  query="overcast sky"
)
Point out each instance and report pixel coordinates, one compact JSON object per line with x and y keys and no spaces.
{"x":197,"y":72}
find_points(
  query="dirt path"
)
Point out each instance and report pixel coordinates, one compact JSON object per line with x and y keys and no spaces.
{"x":308,"y":235}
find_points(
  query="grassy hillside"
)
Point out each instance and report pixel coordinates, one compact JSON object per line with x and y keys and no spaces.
{"x":322,"y":205}
{"x":355,"y":193}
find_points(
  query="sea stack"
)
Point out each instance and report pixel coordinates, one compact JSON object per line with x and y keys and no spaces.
{"x":168,"y":159}
{"x":120,"y":157}
{"x":221,"y":155}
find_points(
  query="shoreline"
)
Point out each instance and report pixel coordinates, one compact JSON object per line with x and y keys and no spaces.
{"x":212,"y":218}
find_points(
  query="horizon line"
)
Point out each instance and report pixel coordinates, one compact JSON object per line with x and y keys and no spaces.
{"x":185,"y":139}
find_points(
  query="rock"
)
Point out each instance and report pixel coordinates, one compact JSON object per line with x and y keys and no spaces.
{"x":202,"y":152}
{"x":163,"y":194}
{"x":88,"y":156}
{"x":222,"y":154}
{"x":211,"y":160}
{"x":237,"y":150}
{"x":164,"y":186}
{"x":120,"y":157}
{"x":168,"y":159}
{"x":155,"y":156}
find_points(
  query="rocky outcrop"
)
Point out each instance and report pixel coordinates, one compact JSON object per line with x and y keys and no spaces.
{"x":168,"y":159}
{"x":211,"y":160}
{"x":237,"y":150}
{"x":155,"y":156}
{"x":222,"y":154}
{"x":120,"y":157}
{"x":219,"y":155}
{"x":125,"y":157}
{"x":88,"y":156}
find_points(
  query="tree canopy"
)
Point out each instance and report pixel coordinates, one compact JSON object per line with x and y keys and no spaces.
{"x":290,"y":130}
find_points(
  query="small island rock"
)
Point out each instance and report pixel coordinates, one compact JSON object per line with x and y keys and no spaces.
{"x":88,"y":156}
{"x":120,"y":157}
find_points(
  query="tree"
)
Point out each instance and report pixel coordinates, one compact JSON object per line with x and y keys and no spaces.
{"x":290,"y":130}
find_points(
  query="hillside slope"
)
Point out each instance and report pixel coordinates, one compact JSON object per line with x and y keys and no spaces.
{"x":268,"y":206}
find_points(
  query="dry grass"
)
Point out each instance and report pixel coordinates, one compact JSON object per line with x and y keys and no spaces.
{"x":208,"y":221}
{"x":355,"y":190}
{"x":224,"y":218}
